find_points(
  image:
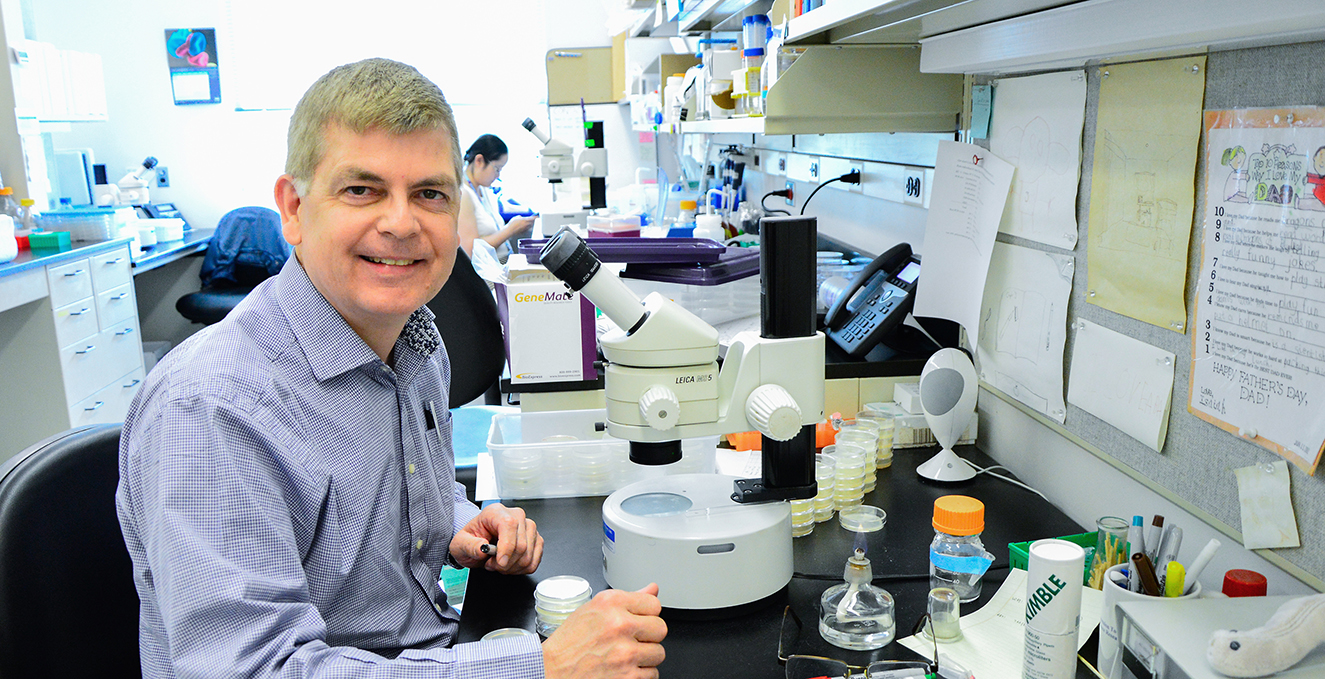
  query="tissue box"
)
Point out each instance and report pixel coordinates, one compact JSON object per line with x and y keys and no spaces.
{"x":548,"y":330}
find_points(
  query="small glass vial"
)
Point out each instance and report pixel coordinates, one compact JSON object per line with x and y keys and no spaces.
{"x":957,"y":558}
{"x":945,"y":612}
{"x":856,"y":615}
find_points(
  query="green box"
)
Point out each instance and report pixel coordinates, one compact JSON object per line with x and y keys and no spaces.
{"x":1019,"y":553}
{"x":49,"y":240}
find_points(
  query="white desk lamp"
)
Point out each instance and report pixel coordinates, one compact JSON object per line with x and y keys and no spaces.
{"x":947,"y":395}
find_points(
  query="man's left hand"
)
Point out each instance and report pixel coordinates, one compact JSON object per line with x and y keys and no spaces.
{"x":519,"y":546}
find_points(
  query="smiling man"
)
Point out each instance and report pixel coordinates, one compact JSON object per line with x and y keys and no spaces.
{"x":287,"y":486}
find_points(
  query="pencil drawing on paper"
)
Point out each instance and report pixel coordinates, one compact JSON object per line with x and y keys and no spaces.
{"x":1018,"y":328}
{"x":1141,"y":210}
{"x":1042,"y":162}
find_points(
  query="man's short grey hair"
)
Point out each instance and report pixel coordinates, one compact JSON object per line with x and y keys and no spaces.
{"x":368,"y":94}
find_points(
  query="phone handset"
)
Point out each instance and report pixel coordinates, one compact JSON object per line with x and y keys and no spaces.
{"x":892,"y":260}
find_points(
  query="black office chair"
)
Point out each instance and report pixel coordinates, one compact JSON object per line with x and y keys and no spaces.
{"x":471,"y":330}
{"x":470,"y":326}
{"x":68,"y":607}
{"x":246,"y":249}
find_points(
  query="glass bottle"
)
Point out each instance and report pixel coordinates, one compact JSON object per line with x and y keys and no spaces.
{"x":27,"y":221}
{"x":957,"y":558}
{"x":8,"y":205}
{"x":856,"y":615}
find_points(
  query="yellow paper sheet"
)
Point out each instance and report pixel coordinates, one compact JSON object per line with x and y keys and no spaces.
{"x":1148,"y":128}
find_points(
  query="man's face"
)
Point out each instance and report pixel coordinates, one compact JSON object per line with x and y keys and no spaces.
{"x":376,"y":231}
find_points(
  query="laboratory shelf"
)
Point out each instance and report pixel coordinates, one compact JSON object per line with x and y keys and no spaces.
{"x":892,"y":22}
{"x":729,"y":125}
{"x":720,"y":15}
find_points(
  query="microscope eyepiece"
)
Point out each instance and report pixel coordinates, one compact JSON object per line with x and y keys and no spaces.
{"x":569,"y":259}
{"x":529,"y":124}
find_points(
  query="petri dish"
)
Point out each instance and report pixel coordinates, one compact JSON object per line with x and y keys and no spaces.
{"x":507,"y":632}
{"x":862,"y":518}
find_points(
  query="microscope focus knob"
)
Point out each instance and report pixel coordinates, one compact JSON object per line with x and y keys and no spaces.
{"x":773,"y":412}
{"x":660,"y":407}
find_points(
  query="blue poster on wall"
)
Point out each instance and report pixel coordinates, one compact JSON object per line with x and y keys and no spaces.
{"x":194,"y":74}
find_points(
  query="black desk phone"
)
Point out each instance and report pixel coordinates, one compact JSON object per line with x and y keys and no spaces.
{"x":876,"y":303}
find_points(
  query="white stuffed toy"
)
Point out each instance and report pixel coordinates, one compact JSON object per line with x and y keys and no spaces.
{"x":1286,"y":638}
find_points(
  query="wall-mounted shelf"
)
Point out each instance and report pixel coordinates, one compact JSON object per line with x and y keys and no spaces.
{"x":720,"y":15}
{"x":727,"y":126}
{"x":895,"y":22}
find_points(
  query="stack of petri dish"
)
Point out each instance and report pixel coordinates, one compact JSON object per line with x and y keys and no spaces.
{"x":521,"y":471}
{"x":849,"y":475}
{"x":865,"y":435}
{"x":824,"y":476}
{"x":556,"y":598}
{"x":802,"y":517}
{"x":881,"y":413}
{"x":595,"y":469}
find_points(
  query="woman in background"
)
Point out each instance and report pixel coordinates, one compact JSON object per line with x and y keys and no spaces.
{"x":479,"y":216}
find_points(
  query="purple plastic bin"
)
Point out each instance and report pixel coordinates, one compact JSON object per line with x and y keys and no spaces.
{"x":641,"y":250}
{"x":735,"y":264}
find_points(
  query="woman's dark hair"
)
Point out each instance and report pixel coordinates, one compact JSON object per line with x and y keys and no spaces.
{"x":489,"y":146}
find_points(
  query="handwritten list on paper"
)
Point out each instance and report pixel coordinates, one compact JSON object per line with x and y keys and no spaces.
{"x":969,"y":191}
{"x":1258,"y":352}
{"x":1123,"y":381}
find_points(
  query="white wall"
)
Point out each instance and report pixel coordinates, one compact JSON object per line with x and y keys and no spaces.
{"x":219,"y":158}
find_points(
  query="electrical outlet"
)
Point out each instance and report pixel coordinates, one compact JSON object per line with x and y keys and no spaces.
{"x":831,"y":168}
{"x":914,"y":186}
{"x":814,"y":171}
{"x":790,"y":194}
{"x":162,"y":176}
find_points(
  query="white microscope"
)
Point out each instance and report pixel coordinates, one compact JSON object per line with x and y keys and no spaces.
{"x":559,"y":162}
{"x":131,"y":189}
{"x":713,"y":543}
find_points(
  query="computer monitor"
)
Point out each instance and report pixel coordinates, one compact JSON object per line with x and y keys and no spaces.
{"x":73,"y":169}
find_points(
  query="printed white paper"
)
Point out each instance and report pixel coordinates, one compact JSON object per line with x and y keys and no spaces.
{"x":1267,"y":506}
{"x":1024,"y":326}
{"x":1037,"y":127}
{"x":969,"y":190}
{"x":1123,"y":381}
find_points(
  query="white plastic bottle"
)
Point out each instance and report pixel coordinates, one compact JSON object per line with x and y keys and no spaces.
{"x":709,"y":226}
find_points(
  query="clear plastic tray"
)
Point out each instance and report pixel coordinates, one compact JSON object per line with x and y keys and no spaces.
{"x":560,"y":454}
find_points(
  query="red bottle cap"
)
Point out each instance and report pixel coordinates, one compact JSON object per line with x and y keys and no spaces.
{"x":1241,"y":582}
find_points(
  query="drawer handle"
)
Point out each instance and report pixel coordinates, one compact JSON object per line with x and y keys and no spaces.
{"x":96,"y":405}
{"x":88,"y":350}
{"x":116,"y":298}
{"x":132,"y":384}
{"x":113,"y":262}
{"x":77,"y":272}
{"x":125,"y":331}
{"x":79,"y":313}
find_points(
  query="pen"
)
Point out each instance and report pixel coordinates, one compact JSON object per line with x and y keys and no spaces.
{"x":1149,"y":584}
{"x":1153,"y":535}
{"x":1202,"y":560}
{"x":1168,"y":551}
{"x":1136,"y":545}
{"x":1173,"y":580}
{"x":488,"y":548}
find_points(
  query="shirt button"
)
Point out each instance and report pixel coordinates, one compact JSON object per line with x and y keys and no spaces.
{"x":419,"y":544}
{"x":438,"y":607}
{"x":411,"y":467}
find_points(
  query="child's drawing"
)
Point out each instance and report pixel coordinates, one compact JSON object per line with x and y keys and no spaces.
{"x":1235,"y":187}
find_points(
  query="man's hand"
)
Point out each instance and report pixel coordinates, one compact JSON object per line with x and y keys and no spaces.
{"x":519,"y":546}
{"x":617,"y":634}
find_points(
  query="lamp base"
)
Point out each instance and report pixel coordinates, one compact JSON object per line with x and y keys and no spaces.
{"x":946,"y":466}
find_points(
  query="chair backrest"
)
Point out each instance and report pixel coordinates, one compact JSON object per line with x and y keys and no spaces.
{"x":68,"y":606}
{"x":471,"y":330}
{"x":246,"y":249}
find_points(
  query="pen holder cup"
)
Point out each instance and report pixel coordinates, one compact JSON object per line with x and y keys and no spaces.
{"x":1109,"y":660}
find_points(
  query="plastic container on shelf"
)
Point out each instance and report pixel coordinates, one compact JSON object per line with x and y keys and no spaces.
{"x":86,"y":224}
{"x":719,"y":292}
{"x":560,"y":454}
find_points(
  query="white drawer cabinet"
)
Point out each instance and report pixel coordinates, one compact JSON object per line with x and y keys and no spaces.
{"x":69,"y":282}
{"x":71,"y":355}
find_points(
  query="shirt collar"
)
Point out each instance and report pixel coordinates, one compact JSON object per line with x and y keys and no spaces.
{"x":331,"y":345}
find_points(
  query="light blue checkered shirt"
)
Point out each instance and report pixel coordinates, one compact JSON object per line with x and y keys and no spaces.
{"x":287,"y":508}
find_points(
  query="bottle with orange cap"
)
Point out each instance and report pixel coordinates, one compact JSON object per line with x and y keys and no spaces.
{"x":957,"y":558}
